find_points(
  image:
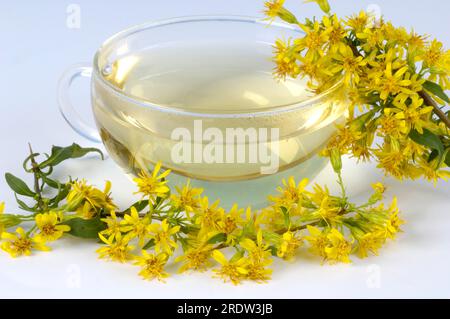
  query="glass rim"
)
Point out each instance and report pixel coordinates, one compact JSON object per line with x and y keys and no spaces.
{"x":272,"y":110}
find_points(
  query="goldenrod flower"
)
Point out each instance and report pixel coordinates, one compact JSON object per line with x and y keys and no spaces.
{"x":187,"y":198}
{"x":258,"y":271}
{"x":370,"y":242}
{"x":152,"y":266}
{"x":162,"y":234}
{"x":289,"y":245}
{"x":152,"y":184}
{"x":351,"y":65}
{"x":113,"y":225}
{"x":317,"y":240}
{"x":285,"y":58}
{"x":49,"y":227}
{"x":415,"y":114}
{"x":208,"y":216}
{"x":394,"y":222}
{"x":117,"y":248}
{"x":233,"y":270}
{"x":290,"y":192}
{"x":339,"y":248}
{"x":358,"y":22}
{"x":135,"y":227}
{"x":195,"y":258}
{"x":230,"y":223}
{"x":21,"y":244}
{"x":81,"y":193}
{"x":259,"y":251}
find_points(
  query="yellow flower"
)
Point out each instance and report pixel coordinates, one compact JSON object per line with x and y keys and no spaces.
{"x":318,"y":241}
{"x":358,"y":22}
{"x":379,"y":187}
{"x":195,"y":258}
{"x":259,"y":251}
{"x":113,"y":225}
{"x":117,"y":248}
{"x":290,"y":192}
{"x":230,"y":223}
{"x":154,"y":184}
{"x":49,"y":228}
{"x":434,"y":55}
{"x":394,"y":222}
{"x":392,"y":125}
{"x":339,"y":248}
{"x":415,"y":114}
{"x":21,"y":244}
{"x":80,"y":193}
{"x":285,"y":59}
{"x":289,"y":245}
{"x":392,"y":83}
{"x":208,"y":216}
{"x":272,"y":8}
{"x":351,"y":65}
{"x":187,"y":199}
{"x":370,"y":242}
{"x":314,"y":39}
{"x":233,"y":270}
{"x":431,"y":172}
{"x":162,"y":234}
{"x":257,"y":270}
{"x":135,"y":226}
{"x":152,"y":266}
{"x":335,"y":31}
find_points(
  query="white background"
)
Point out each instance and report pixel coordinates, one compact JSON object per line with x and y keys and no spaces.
{"x":37,"y":46}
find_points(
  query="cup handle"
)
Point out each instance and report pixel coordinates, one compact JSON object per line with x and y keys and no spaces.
{"x":66,"y":107}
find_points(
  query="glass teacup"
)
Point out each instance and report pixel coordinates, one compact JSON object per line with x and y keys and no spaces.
{"x":198,"y":95}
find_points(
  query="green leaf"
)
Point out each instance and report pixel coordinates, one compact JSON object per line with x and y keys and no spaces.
{"x":287,"y":220}
{"x":60,"y":154}
{"x":149,"y":244}
{"x":428,"y":139}
{"x":23,"y":206}
{"x":218,"y":238}
{"x":436,"y":89}
{"x":18,"y":185}
{"x":85,"y":228}
{"x":447,"y":159}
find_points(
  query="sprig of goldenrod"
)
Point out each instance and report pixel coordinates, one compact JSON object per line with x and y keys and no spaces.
{"x":396,"y":82}
{"x":180,"y":225}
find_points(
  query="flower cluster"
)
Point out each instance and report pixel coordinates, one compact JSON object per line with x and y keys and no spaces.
{"x":187,"y":228}
{"x":396,"y":82}
{"x":184,"y":227}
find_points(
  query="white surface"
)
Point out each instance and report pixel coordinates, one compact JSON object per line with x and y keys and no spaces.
{"x":37,"y":47}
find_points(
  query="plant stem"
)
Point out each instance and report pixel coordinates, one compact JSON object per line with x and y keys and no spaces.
{"x":37,"y":188}
{"x":437,"y":110}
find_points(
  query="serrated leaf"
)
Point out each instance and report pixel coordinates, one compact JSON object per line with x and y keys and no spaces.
{"x":18,"y":185}
{"x":436,"y":89}
{"x":217,"y":238}
{"x":428,"y":139}
{"x":60,"y":154}
{"x":85,"y":228}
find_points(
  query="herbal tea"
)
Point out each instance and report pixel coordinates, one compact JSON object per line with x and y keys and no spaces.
{"x":201,"y":93}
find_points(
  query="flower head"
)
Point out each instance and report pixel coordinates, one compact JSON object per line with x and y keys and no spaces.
{"x":187,"y":198}
{"x":339,"y":248}
{"x":233,"y":270}
{"x":195,"y":258}
{"x":21,"y":244}
{"x":162,"y":234}
{"x":117,"y":248}
{"x":152,"y":266}
{"x":289,"y":245}
{"x":50,"y":229}
{"x":135,"y":226}
{"x":152,"y":184}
